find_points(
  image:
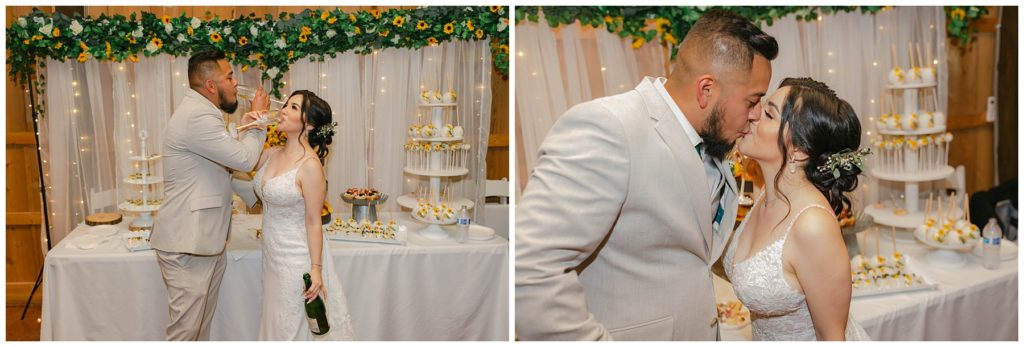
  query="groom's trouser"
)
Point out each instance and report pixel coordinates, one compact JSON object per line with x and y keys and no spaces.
{"x":193,"y":284}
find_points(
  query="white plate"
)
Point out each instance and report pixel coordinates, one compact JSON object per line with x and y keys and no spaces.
{"x":480,"y":233}
{"x":86,"y":242}
{"x":1007,"y":250}
{"x":102,"y":230}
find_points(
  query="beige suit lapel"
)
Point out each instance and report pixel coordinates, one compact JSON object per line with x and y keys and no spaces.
{"x":729,"y":204}
{"x":688,"y":162}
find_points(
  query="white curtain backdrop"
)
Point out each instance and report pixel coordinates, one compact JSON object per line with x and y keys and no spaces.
{"x":95,"y":112}
{"x":557,"y":68}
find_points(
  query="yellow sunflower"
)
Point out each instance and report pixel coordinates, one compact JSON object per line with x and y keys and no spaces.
{"x":82,"y":57}
{"x":958,"y":13}
{"x":303,"y":37}
{"x":133,"y":58}
{"x":108,"y":50}
{"x":332,"y":20}
{"x":26,"y":41}
{"x":191,"y":31}
{"x":37,"y":37}
{"x":398,"y":21}
{"x":671,"y":39}
{"x":660,"y":24}
{"x":504,"y":48}
{"x":449,"y":28}
{"x":131,"y":39}
{"x":352,"y":17}
{"x":306,"y":30}
{"x":432,"y":41}
{"x":375,"y":13}
{"x":469,"y":25}
{"x":83,"y":46}
{"x":242,"y":41}
{"x":638,"y":42}
{"x":494,"y":9}
{"x":383,"y":33}
{"x":158,"y":42}
{"x":58,"y":45}
{"x":608,"y":19}
{"x":421,"y":25}
{"x":479,"y":34}
{"x":291,"y":54}
{"x":359,"y":31}
{"x":166,"y":19}
{"x":56,"y":32}
{"x":324,"y":15}
{"x":215,"y":37}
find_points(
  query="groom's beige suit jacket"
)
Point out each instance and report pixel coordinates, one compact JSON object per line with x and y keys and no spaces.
{"x":614,"y":236}
{"x":195,"y":217}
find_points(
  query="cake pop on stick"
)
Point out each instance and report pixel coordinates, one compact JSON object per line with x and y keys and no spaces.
{"x":893,"y":235}
{"x":967,"y":207}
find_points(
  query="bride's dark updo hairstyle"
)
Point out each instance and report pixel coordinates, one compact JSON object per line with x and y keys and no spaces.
{"x":820,"y":124}
{"x":316,"y":112}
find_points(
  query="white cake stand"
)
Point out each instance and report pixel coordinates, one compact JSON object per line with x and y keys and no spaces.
{"x":947,"y":256}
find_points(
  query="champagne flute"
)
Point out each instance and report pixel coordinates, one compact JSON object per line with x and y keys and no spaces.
{"x":267,"y":117}
{"x":248,"y":93}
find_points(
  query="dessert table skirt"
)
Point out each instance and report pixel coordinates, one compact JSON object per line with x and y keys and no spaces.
{"x":425,"y":290}
{"x":970,"y":304}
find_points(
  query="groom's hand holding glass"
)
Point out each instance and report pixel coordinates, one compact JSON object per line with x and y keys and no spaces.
{"x":259,"y":114}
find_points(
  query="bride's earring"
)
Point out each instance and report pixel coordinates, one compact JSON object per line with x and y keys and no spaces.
{"x":792,"y":165}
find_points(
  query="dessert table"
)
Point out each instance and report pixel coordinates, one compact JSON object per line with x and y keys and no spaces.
{"x":970,"y":304}
{"x":425,"y":290}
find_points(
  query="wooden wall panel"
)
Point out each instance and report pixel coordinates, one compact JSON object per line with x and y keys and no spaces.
{"x":971,"y":72}
{"x":498,"y":150}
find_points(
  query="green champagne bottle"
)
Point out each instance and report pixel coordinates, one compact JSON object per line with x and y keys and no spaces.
{"x":316,"y":312}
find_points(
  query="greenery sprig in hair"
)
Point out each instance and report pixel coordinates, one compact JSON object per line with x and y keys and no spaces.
{"x":268,"y":43}
{"x":669,"y":24}
{"x":326,"y":130}
{"x":845,"y":159}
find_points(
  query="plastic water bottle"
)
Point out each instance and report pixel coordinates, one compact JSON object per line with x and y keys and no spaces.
{"x":991,"y":237}
{"x":462,"y":228}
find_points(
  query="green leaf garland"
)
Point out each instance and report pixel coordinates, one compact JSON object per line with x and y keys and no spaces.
{"x":269,"y":44}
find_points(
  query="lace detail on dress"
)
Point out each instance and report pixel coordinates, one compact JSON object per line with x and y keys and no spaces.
{"x":285,"y":258}
{"x":777,"y":311}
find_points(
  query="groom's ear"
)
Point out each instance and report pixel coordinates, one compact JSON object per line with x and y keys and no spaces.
{"x":705,"y":84}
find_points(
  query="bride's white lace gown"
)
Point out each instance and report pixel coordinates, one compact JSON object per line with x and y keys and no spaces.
{"x":285,"y":259}
{"x":777,"y":311}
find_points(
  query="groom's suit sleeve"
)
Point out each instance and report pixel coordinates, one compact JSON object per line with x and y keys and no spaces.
{"x":244,"y":189}
{"x":569,"y":207}
{"x":210,"y":140}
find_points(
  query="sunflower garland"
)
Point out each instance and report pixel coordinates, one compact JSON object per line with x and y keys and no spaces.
{"x":282,"y":40}
{"x":670,"y":23}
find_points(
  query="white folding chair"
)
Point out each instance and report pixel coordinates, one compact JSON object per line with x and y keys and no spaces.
{"x":102,"y":201}
{"x":498,"y":188}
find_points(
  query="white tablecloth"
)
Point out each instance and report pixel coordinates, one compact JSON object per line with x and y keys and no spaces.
{"x":426,"y":290}
{"x":971,"y":303}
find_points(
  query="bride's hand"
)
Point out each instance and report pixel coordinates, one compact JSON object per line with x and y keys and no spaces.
{"x":316,"y":286}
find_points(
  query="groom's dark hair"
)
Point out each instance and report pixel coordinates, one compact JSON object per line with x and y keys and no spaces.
{"x":201,"y":64}
{"x":730,"y":40}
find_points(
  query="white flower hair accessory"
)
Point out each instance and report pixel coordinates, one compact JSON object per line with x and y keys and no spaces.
{"x":845,"y":159}
{"x":326,"y":130}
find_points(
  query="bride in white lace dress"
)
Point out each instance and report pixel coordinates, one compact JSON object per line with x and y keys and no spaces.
{"x":290,"y":182}
{"x":787,"y":262}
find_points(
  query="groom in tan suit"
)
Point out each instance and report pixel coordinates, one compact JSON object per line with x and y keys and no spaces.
{"x":192,"y":227}
{"x":631,"y":201}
